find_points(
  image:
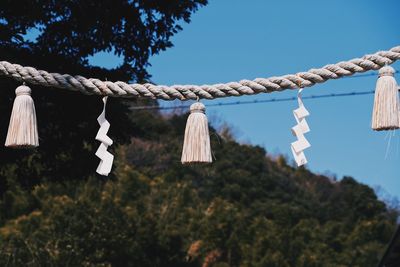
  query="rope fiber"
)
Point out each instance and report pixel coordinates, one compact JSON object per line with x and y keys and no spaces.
{"x":192,"y":92}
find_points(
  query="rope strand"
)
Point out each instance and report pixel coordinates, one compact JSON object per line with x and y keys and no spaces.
{"x":192,"y":92}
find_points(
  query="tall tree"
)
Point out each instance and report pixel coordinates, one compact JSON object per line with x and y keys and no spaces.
{"x":68,"y":32}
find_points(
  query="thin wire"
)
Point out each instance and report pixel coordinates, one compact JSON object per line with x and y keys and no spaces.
{"x":367,"y":74}
{"x":285,"y":99}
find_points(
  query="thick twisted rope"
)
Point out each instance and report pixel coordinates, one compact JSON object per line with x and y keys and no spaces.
{"x":185,"y":92}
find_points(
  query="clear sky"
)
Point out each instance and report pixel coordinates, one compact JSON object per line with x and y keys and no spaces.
{"x":230,"y":40}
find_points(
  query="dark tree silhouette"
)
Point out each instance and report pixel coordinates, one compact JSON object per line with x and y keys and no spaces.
{"x":68,"y":33}
{"x":77,"y":29}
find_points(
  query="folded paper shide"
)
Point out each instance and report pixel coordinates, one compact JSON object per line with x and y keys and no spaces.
{"x":106,"y":158}
{"x":299,"y":130}
{"x":22,"y":130}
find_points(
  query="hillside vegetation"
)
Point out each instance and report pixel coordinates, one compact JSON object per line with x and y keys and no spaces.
{"x":245,"y":209}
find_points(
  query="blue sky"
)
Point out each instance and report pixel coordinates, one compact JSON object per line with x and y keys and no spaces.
{"x":230,"y":40}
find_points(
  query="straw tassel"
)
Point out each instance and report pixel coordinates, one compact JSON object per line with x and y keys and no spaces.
{"x":22,"y":130}
{"x":196,"y":146}
{"x":386,"y":112}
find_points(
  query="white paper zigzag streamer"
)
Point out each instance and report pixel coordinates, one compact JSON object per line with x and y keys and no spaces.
{"x":299,"y":130}
{"x":106,"y":158}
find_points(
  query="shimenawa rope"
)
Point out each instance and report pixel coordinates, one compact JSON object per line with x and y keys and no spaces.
{"x":185,"y":92}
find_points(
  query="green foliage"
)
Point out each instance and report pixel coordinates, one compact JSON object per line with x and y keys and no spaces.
{"x":243,"y":210}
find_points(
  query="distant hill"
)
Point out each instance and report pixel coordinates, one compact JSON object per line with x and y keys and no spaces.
{"x":245,"y":209}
